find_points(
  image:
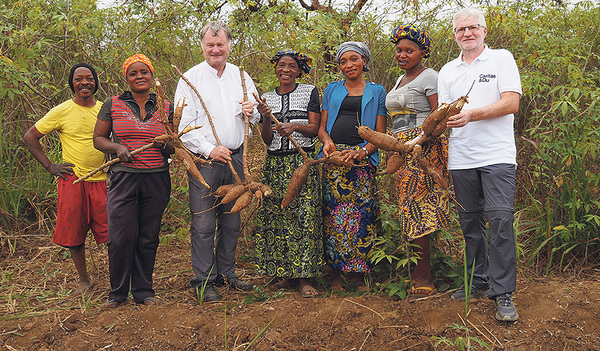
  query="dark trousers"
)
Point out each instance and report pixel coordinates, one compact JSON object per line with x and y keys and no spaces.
{"x":214,"y":232}
{"x":488,"y":192}
{"x":135,"y":205}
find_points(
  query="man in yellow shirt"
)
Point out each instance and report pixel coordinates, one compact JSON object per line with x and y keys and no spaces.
{"x":81,"y":206}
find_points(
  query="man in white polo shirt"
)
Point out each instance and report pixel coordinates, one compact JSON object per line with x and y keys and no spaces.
{"x":482,"y":158}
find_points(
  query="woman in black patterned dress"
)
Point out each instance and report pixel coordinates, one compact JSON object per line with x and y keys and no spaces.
{"x":289,"y":242}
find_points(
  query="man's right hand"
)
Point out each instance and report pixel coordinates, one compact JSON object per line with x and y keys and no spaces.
{"x":220,"y":153}
{"x":60,"y":169}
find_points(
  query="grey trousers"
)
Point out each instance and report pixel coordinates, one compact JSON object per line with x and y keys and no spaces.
{"x":488,"y":192}
{"x":214,"y":232}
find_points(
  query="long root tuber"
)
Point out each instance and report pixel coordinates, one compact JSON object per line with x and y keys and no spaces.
{"x":393,"y":164}
{"x":233,"y":193}
{"x":382,"y":141}
{"x":298,"y":179}
{"x":241,"y":202}
{"x":336,"y":159}
{"x":435,"y":117}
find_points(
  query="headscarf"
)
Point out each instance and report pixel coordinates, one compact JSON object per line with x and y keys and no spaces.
{"x":137,"y":58}
{"x":414,"y":33}
{"x":355,"y":46}
{"x":304,"y":62}
{"x":93,"y":74}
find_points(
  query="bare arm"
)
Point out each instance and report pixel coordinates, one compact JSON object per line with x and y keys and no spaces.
{"x":32,"y":140}
{"x":380,"y":126}
{"x":508,"y":103}
{"x":266,"y":129}
{"x":433,"y":101}
{"x":103,"y":143}
{"x":310,"y":130}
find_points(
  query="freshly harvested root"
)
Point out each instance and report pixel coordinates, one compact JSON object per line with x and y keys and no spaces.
{"x":416,"y":153}
{"x":224,"y":189}
{"x":434,"y":118}
{"x":190,"y":165}
{"x":381,"y":140}
{"x":435,"y":123}
{"x":336,"y":159}
{"x":241,"y":202}
{"x":177,"y":113}
{"x":393,"y":164}
{"x":454,"y":109}
{"x":298,"y":179}
{"x":434,"y":172}
{"x":234,"y":192}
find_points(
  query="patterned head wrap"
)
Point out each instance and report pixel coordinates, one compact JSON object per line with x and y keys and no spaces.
{"x":355,"y":46}
{"x":93,"y":74}
{"x":137,"y":58}
{"x":414,"y":33}
{"x":304,"y":62}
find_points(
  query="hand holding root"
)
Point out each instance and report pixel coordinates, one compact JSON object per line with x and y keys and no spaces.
{"x":434,"y":125}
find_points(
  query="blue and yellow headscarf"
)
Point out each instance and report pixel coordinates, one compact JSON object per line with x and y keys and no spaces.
{"x":414,"y":33}
{"x":304,"y":62}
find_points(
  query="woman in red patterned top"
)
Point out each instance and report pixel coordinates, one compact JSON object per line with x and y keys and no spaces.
{"x":139,"y":186}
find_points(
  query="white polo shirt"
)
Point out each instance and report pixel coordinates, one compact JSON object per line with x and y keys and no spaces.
{"x":222,"y":96}
{"x":486,"y":142}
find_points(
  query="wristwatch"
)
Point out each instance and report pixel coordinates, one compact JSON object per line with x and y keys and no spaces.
{"x":366,"y":151}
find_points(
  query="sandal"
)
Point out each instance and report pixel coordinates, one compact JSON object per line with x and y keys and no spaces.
{"x":422,"y":291}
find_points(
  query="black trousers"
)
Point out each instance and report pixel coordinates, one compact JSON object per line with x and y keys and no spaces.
{"x":135,"y":205}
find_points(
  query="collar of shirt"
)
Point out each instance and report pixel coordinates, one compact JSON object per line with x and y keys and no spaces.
{"x":485,"y":54}
{"x":150,"y":106}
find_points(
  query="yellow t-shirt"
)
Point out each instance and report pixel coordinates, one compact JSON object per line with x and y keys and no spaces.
{"x":75,"y":126}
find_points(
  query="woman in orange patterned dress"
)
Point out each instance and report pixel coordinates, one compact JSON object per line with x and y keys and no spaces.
{"x":422,"y":204}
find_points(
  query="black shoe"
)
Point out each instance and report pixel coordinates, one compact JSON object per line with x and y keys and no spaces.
{"x":219,"y":281}
{"x":476,"y":293}
{"x":239,"y":284}
{"x":209,"y":295}
{"x":505,"y":308}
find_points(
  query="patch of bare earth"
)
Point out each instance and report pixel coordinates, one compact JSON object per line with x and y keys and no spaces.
{"x":41,"y":311}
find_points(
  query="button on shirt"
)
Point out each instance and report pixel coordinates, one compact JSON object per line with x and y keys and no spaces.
{"x":222,"y":96}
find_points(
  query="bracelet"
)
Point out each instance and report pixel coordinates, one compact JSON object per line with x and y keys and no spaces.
{"x":365,"y":148}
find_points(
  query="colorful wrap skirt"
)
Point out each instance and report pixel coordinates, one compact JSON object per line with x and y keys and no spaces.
{"x":423,"y":207}
{"x":350,"y":216}
{"x":289,"y":242}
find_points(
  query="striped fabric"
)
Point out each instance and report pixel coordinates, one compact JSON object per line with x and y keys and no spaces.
{"x":134,"y":133}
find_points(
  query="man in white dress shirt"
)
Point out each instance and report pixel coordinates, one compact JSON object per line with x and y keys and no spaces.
{"x":482,"y":158}
{"x":214,"y":232}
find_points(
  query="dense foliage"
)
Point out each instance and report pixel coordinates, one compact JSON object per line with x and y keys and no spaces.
{"x":556,"y":47}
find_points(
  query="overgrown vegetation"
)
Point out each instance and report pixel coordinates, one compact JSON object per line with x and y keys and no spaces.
{"x":555,"y":44}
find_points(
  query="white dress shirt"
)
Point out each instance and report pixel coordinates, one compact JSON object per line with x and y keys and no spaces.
{"x":222,"y":96}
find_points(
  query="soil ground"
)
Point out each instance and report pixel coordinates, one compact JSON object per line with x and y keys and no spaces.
{"x":40,"y":309}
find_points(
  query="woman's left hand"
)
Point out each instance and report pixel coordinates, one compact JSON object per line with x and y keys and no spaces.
{"x":285,"y":129}
{"x":350,"y":155}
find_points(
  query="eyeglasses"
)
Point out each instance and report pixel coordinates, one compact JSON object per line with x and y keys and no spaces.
{"x":472,"y":28}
